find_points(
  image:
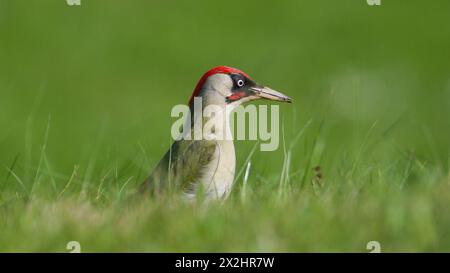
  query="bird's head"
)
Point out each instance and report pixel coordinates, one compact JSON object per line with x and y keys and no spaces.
{"x":230,"y":86}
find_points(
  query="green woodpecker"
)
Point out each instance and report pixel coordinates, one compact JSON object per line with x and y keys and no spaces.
{"x":206,"y":166}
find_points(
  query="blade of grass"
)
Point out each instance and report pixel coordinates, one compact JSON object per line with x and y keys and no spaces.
{"x":13,"y":165}
{"x":100,"y":186}
{"x":361,"y":147}
{"x":22,"y":185}
{"x":37,"y":176}
{"x":241,"y":170}
{"x":311,"y":154}
{"x":244,"y":182}
{"x":29,"y":130}
{"x":72,"y":177}
{"x":123,"y":187}
{"x":300,"y":134}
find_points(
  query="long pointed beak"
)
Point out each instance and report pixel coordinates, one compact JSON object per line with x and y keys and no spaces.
{"x":270,"y":94}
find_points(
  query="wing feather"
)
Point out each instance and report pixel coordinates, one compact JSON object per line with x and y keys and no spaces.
{"x":182,"y":167}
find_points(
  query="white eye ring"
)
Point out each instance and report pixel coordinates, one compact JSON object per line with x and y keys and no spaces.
{"x":240,"y":83}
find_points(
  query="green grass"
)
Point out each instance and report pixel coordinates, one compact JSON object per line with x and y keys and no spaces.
{"x":85,"y":100}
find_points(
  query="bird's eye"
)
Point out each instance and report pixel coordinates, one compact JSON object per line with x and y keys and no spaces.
{"x":240,"y":83}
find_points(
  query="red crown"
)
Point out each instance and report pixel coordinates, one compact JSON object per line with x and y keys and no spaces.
{"x":213,"y":71}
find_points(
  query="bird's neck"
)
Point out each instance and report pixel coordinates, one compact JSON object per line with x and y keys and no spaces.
{"x":211,"y":119}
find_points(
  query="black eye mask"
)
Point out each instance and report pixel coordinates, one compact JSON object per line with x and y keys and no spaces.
{"x":241,"y":87}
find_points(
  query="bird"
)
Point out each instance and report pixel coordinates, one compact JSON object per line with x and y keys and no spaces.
{"x":205,"y":168}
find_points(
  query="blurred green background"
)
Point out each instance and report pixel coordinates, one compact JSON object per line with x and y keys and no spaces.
{"x":86,"y":92}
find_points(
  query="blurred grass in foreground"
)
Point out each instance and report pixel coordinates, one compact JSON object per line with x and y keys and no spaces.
{"x":86,"y":94}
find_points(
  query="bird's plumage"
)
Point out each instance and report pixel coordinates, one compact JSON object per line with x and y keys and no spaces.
{"x":182,"y":166}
